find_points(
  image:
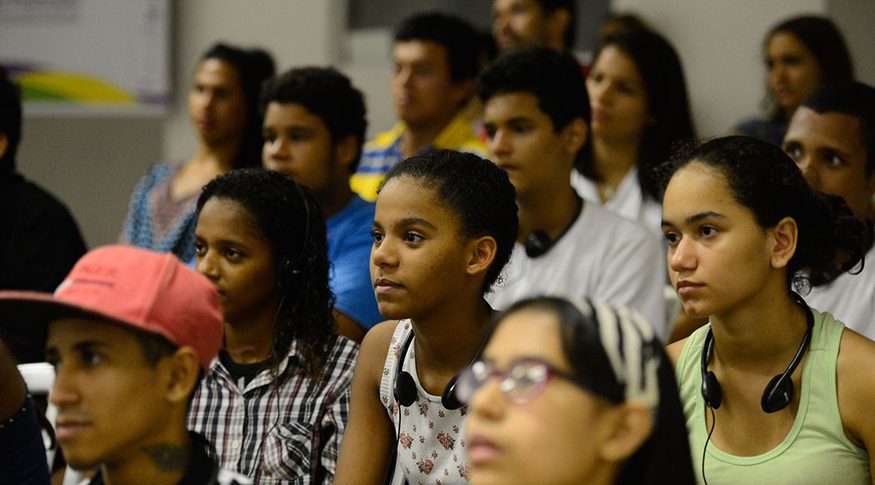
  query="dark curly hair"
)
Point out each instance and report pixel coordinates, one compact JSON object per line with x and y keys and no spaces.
{"x":667,"y":102}
{"x":554,"y":78}
{"x":477,"y":191}
{"x":253,"y":67}
{"x":455,"y":35}
{"x":288,"y":217}
{"x":327,"y":94}
{"x":825,"y":42}
{"x":765,"y":180}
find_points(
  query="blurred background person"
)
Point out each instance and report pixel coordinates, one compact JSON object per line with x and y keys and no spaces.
{"x":223,"y":105}
{"x":314,"y":128}
{"x":800,"y":54}
{"x":640,"y":109}
{"x":436,"y":58}
{"x":831,"y":138}
{"x":39,"y":239}
{"x":527,"y":23}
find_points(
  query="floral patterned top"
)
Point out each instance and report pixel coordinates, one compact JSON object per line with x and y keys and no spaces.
{"x":431,"y":443}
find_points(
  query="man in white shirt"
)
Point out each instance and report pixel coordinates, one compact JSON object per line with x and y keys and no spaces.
{"x":536,"y":115}
{"x":832,"y":139}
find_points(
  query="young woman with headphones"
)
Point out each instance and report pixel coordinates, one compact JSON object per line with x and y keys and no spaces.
{"x":773,"y":391}
{"x":582,"y":393}
{"x":444,"y":227}
{"x":275,"y":402}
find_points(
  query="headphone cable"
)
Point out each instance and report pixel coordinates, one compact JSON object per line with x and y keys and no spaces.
{"x":707,"y":440}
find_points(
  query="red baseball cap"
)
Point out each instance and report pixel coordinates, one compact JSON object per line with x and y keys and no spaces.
{"x":148,"y":291}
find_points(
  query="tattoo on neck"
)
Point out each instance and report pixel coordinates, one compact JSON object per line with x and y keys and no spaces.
{"x":168,"y":458}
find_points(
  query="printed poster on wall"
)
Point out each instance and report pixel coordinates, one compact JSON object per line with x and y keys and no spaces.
{"x":88,"y":57}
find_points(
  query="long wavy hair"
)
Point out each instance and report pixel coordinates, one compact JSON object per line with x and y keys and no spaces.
{"x":668,"y":103}
{"x":288,"y":217}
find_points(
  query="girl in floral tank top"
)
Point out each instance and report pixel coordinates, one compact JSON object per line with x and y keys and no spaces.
{"x":444,"y":227}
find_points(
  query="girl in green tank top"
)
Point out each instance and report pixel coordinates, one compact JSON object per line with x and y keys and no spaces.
{"x":772,"y":392}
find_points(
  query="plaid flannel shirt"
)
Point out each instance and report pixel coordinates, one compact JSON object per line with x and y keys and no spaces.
{"x":289,"y":435}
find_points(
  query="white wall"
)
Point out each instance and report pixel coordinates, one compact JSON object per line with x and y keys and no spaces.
{"x":856,"y":19}
{"x":368,"y":64}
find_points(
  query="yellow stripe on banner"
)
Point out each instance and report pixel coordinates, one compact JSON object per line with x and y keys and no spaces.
{"x":76,"y":87}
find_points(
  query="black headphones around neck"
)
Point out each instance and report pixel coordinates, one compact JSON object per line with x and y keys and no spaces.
{"x":405,"y":387}
{"x":290,"y":267}
{"x":779,"y":391}
{"x":538,"y":243}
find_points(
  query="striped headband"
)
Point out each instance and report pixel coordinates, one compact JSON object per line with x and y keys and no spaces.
{"x":632,"y":349}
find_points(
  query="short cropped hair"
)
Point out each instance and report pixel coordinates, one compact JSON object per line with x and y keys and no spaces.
{"x":455,"y":35}
{"x":853,"y":99}
{"x":326,"y":93}
{"x":554,"y":78}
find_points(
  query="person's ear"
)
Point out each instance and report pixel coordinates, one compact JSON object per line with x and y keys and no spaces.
{"x":627,"y":428}
{"x":345,"y":151}
{"x":181,"y":371}
{"x":574,"y":136}
{"x":782,"y":241}
{"x":4,"y":144}
{"x":481,"y":254}
{"x":557,"y":24}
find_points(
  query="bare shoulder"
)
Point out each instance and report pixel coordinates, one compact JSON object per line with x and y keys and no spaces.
{"x":855,"y":372}
{"x":674,"y":350}
{"x":856,"y":359}
{"x":379,"y":336}
{"x":375,"y":346}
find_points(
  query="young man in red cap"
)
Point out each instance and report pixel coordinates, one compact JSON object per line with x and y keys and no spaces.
{"x":130,"y":333}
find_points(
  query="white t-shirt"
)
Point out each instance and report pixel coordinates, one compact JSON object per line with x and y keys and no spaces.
{"x":628,"y":201}
{"x":850,"y":298}
{"x":602,"y":257}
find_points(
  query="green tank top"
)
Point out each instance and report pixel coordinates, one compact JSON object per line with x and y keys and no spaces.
{"x":815,"y":451}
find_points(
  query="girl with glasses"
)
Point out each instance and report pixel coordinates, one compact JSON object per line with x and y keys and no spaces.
{"x":444,"y":227}
{"x":567,"y":393}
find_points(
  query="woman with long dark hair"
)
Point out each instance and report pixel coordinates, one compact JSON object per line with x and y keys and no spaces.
{"x":640,"y":110}
{"x":223,"y":105}
{"x":801,"y":54}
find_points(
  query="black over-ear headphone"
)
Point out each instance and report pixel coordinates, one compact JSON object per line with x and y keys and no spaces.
{"x":778,"y":392}
{"x":405,"y":386}
{"x":537,"y":243}
{"x":291,"y":267}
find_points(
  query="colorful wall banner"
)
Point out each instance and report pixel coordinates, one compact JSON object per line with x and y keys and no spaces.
{"x":88,"y":57}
